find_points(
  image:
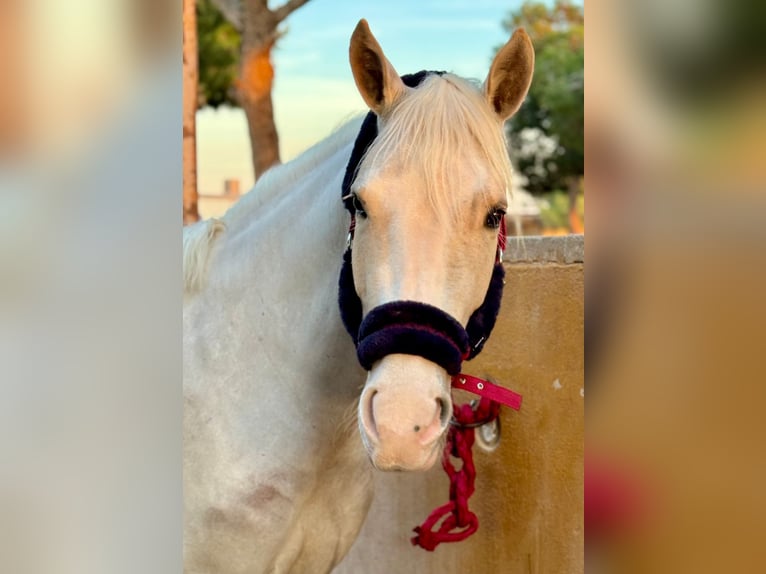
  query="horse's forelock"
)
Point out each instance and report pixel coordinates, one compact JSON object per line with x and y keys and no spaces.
{"x":430,"y":128}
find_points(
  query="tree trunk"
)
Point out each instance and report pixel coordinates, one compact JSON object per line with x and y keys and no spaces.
{"x":190,"y":79}
{"x":263,"y":134}
{"x":259,"y":27}
{"x":255,"y":85}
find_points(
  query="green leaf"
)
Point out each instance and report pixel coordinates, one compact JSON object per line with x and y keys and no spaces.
{"x":556,"y":97}
{"x":219,"y":50}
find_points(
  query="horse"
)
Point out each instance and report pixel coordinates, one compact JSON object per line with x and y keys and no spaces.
{"x":276,"y":397}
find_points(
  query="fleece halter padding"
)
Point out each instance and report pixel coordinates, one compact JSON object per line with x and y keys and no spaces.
{"x":401,"y":326}
{"x":410,"y":327}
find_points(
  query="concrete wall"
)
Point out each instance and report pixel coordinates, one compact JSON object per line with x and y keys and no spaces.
{"x":529,"y":490}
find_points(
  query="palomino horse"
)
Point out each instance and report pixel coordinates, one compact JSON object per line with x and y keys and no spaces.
{"x":276,"y":478}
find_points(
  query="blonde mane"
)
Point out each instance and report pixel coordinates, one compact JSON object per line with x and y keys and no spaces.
{"x":430,"y":127}
{"x":198,"y":242}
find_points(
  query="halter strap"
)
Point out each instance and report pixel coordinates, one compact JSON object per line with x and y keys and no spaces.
{"x":487,"y":390}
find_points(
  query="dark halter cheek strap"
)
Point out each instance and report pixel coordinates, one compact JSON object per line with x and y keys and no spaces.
{"x":411,"y":327}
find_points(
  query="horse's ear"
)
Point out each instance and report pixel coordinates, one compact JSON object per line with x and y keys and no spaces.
{"x":510,"y":75}
{"x":375,"y":77}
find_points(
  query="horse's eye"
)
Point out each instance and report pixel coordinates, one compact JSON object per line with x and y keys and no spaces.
{"x":494,"y":217}
{"x":358,"y":206}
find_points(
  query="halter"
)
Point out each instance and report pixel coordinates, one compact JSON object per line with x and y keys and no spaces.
{"x":414,"y":328}
{"x":411,"y":327}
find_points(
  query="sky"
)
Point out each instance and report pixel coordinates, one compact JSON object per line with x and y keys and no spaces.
{"x":314,"y":90}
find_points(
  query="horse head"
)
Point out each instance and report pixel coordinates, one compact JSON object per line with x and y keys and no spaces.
{"x":428,"y":197}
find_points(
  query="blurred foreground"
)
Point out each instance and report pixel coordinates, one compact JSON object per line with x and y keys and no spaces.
{"x":90,"y":287}
{"x":675,"y":288}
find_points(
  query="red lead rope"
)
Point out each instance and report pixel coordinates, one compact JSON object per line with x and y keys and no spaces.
{"x":458,"y":522}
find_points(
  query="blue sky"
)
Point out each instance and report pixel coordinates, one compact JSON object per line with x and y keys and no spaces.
{"x":314,"y":91}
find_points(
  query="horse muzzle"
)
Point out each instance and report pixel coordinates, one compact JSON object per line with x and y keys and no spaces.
{"x":404,"y":411}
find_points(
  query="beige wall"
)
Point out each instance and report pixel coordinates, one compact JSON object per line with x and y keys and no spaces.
{"x":529,"y":491}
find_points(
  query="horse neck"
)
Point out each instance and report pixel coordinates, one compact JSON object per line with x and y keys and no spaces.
{"x":285,"y":245}
{"x":295,"y":212}
{"x":318,"y":166}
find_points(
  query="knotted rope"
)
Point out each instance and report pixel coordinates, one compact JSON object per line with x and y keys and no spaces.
{"x":458,"y":522}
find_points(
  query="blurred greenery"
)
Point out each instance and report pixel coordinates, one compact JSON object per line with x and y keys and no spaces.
{"x":554,"y":105}
{"x":554,"y":209}
{"x":219,"y":49}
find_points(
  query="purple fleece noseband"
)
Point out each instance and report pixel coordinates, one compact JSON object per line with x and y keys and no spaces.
{"x":409,"y":327}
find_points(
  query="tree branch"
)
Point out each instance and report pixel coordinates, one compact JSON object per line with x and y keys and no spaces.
{"x":231,"y":10}
{"x":288,"y":8}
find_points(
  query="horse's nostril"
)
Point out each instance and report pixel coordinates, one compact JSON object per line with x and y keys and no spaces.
{"x":368,"y":415}
{"x":444,"y":414}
